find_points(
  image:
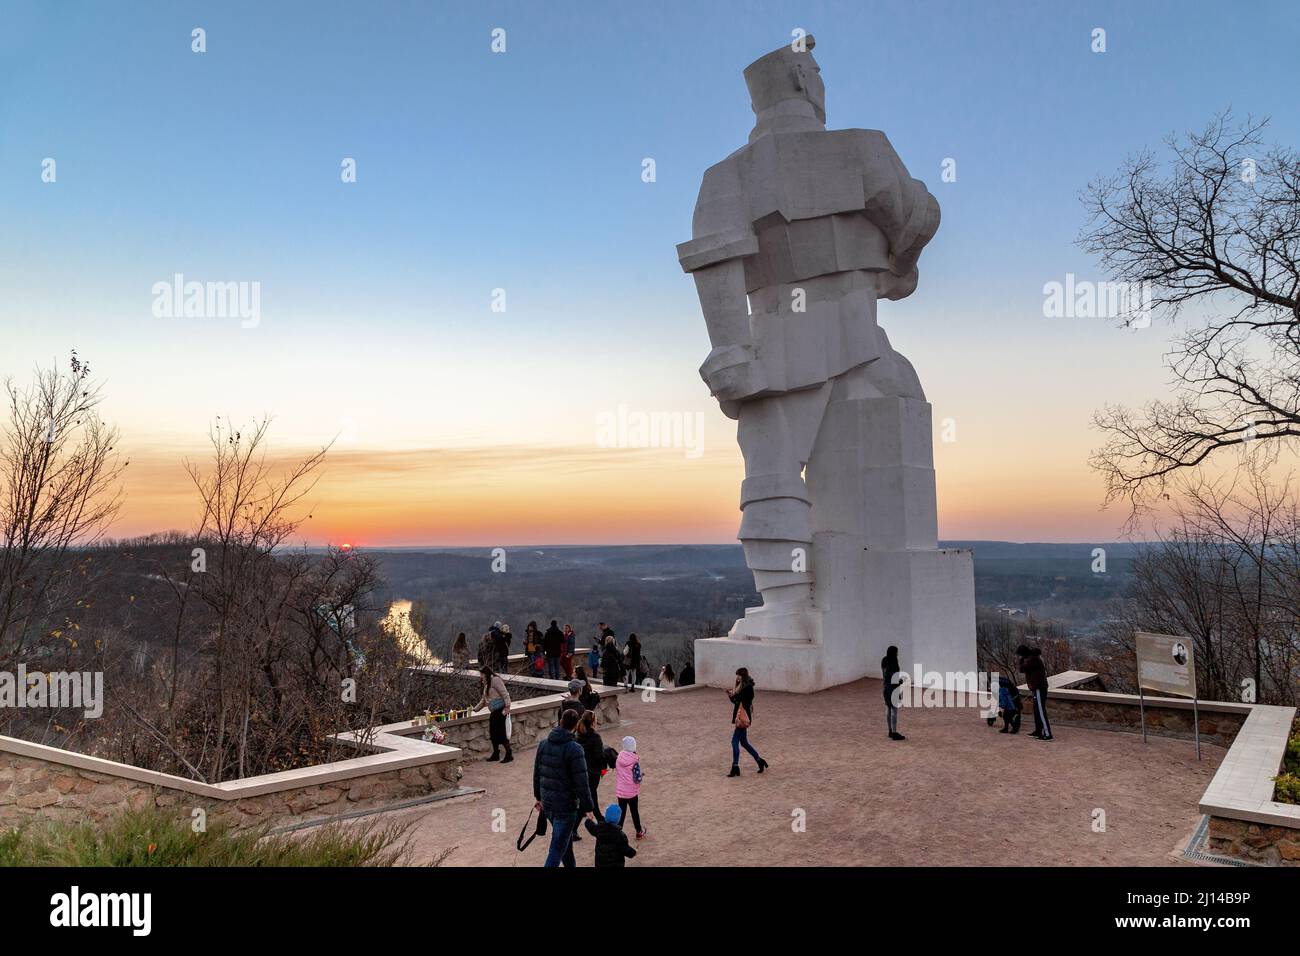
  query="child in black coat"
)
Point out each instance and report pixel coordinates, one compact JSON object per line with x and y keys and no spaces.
{"x":611,"y":842}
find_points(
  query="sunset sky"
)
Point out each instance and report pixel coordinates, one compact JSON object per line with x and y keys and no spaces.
{"x":458,"y":425}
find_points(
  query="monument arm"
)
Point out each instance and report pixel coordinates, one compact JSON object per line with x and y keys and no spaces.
{"x":721,"y":290}
{"x":715,"y":258}
{"x":731,"y":370}
{"x":901,"y":206}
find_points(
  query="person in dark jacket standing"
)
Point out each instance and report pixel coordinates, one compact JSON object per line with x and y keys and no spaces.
{"x":561,"y":789}
{"x":593,"y":748}
{"x":501,"y":641}
{"x":742,"y":715}
{"x":1031,"y":662}
{"x":632,"y":662}
{"x":611,"y":663}
{"x":889,"y":671}
{"x":612,"y":845}
{"x":553,"y":647}
{"x":570,"y":650}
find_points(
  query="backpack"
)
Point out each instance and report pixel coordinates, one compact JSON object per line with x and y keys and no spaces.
{"x":636,"y":773}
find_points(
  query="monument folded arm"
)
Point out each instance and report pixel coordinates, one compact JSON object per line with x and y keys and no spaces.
{"x":902,"y":207}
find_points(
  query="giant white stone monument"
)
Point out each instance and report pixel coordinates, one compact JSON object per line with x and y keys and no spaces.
{"x":797,"y":235}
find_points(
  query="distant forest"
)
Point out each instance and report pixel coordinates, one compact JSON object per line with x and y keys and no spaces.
{"x":668,"y":595}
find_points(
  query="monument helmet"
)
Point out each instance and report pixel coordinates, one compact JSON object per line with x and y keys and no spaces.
{"x":787,"y":73}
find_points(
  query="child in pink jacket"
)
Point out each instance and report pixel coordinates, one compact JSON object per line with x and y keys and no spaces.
{"x":628,"y":785}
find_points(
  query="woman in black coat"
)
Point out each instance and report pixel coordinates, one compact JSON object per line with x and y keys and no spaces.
{"x":742,"y":702}
{"x":611,"y":663}
{"x":594,"y":750}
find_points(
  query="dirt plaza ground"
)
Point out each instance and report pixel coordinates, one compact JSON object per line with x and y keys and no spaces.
{"x":839,"y":792}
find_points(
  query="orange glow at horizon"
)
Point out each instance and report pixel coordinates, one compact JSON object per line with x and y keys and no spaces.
{"x":553,"y":495}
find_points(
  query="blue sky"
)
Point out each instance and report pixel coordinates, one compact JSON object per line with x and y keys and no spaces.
{"x":522,"y":170}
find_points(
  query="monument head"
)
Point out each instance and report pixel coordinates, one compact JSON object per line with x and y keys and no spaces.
{"x":787,"y":74}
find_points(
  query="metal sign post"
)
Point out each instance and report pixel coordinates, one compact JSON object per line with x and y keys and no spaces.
{"x":1167,"y":664}
{"x":1196,"y":726}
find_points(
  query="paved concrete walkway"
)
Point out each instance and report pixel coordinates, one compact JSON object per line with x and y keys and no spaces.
{"x":955,"y":792}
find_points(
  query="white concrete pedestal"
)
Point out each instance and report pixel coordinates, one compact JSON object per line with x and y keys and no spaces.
{"x":880,"y":577}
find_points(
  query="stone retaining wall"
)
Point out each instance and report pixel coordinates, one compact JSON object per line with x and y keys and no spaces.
{"x":42,"y":782}
{"x":1257,"y":842}
{"x":1163,"y":719}
{"x":529,"y":726}
{"x":31,"y":788}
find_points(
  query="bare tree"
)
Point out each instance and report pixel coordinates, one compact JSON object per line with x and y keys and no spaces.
{"x":1228,"y":576}
{"x":998,"y":635}
{"x":1216,"y":226}
{"x":59,"y":492}
{"x":248,"y":513}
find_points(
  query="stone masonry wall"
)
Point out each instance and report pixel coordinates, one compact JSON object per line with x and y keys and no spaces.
{"x":1257,"y":842}
{"x":1216,"y":728}
{"x":529,"y":727}
{"x":31,"y":788}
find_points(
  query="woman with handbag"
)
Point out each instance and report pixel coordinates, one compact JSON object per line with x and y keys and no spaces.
{"x":497,"y":699}
{"x":742,"y":716}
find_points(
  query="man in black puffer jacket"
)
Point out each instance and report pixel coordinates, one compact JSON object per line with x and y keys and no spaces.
{"x":560,"y":788}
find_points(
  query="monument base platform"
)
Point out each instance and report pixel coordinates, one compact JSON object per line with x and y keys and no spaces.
{"x":922,"y":601}
{"x":794,"y":666}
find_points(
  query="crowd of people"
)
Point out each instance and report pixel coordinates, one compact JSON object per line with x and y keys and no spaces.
{"x":553,"y":654}
{"x":573,"y":759}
